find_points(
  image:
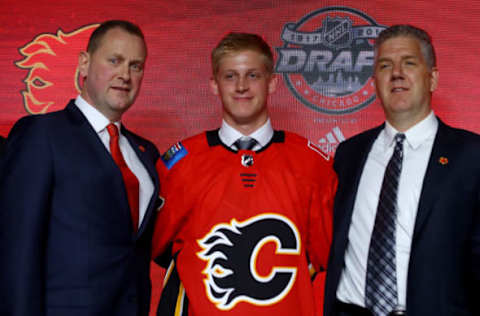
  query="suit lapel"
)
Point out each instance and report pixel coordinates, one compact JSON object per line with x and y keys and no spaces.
{"x":354,"y":162}
{"x":435,"y":175}
{"x":348,"y":163}
{"x":86,"y":133}
{"x":150,"y":167}
{"x":99,"y":154}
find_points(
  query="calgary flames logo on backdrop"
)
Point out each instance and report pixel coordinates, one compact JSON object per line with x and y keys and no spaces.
{"x":51,"y":61}
{"x":327,"y":59}
{"x":243,"y":260}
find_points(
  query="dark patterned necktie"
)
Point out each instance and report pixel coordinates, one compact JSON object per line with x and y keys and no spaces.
{"x":381,"y":282}
{"x":245,"y":144}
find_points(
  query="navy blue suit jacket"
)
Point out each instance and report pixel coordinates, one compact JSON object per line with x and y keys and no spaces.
{"x":444,"y":267}
{"x":2,"y":143}
{"x":67,"y":246}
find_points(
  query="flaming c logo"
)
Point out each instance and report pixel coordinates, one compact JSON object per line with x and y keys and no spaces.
{"x":237,"y":268}
{"x":51,"y":61}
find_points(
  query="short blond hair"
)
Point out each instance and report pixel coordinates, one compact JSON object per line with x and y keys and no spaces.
{"x":237,"y":42}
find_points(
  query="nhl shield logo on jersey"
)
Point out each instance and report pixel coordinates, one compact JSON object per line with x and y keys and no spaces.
{"x":247,"y":160}
{"x":253,"y":261}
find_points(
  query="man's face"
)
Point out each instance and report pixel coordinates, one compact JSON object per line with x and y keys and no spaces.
{"x":113,"y":73}
{"x":404,"y":82}
{"x":243,"y":84}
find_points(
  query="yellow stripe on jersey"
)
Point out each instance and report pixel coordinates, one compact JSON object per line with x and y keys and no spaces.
{"x":311,"y":270}
{"x":168,"y":272}
{"x":180,"y":299}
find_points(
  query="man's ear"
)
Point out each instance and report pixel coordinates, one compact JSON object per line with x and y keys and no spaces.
{"x":213,"y":85}
{"x":433,"y":79}
{"x":83,"y":63}
{"x":272,"y":84}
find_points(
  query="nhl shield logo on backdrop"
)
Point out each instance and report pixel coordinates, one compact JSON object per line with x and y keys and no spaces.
{"x":327,"y":59}
{"x":337,"y":32}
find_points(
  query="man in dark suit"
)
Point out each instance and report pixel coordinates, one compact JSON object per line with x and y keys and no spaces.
{"x":422,"y":219}
{"x":77,"y":199}
{"x":2,"y":144}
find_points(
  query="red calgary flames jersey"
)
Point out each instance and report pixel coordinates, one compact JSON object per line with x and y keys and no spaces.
{"x":244,"y":226}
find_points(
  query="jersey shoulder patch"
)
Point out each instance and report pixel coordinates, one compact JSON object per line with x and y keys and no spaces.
{"x":174,"y":155}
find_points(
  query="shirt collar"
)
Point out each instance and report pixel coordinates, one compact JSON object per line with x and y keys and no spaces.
{"x":98,"y":121}
{"x":228,"y":135}
{"x":415,"y":135}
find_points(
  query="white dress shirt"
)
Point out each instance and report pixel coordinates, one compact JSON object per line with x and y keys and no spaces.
{"x":228,"y":135}
{"x":417,"y":148}
{"x":99,"y":123}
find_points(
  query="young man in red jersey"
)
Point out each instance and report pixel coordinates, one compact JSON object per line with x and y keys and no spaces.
{"x":248,"y":208}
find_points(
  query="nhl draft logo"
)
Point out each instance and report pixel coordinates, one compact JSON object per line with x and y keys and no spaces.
{"x":327,"y":59}
{"x":253,"y":261}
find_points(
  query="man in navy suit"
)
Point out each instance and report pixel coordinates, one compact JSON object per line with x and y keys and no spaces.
{"x":436,"y":244}
{"x":70,"y":243}
{"x":2,"y":144}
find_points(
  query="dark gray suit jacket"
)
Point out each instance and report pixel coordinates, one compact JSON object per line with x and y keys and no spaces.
{"x":444,"y":267}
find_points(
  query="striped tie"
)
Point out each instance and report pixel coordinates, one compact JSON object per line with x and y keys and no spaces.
{"x":381,"y":282}
{"x":245,"y":144}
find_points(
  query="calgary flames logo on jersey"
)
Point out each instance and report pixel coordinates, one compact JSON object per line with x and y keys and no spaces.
{"x":51,"y":61}
{"x":252,"y":261}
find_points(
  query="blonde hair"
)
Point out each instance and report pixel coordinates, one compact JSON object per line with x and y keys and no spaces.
{"x":237,"y":42}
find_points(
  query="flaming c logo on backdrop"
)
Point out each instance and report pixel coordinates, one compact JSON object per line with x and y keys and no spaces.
{"x":327,"y":59}
{"x":51,"y":61}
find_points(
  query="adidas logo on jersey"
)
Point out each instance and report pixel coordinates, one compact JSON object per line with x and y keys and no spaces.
{"x":329,"y":143}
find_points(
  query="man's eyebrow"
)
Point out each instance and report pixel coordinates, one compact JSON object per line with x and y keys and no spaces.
{"x":380,"y":59}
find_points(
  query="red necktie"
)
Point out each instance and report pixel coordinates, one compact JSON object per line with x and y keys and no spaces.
{"x":130,"y":180}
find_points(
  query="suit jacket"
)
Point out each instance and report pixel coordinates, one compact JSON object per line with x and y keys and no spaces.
{"x":444,"y":267}
{"x":2,"y":144}
{"x":67,"y":246}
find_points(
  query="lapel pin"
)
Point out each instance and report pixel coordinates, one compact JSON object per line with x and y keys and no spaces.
{"x":443,"y":160}
{"x":142,"y":149}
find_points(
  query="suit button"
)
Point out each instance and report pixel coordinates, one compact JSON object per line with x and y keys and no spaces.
{"x":132,"y":298}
